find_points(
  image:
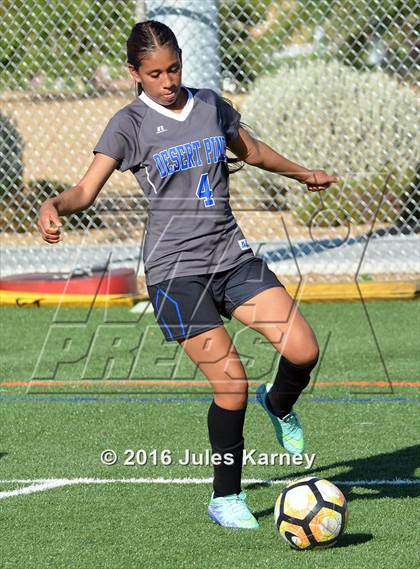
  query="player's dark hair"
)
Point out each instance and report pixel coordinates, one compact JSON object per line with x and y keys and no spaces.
{"x":234,"y":164}
{"x":144,"y":38}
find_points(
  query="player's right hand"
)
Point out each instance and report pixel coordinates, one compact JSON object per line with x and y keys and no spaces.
{"x":49,"y":224}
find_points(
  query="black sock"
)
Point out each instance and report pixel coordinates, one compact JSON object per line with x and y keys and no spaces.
{"x":226,"y":437}
{"x":291,"y":380}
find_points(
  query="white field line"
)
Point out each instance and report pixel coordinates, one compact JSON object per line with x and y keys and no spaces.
{"x":144,"y":306}
{"x":42,"y":484}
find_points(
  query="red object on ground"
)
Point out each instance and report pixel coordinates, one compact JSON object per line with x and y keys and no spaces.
{"x":118,"y":281}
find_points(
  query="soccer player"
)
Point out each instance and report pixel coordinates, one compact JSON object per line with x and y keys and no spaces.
{"x":198,"y":263}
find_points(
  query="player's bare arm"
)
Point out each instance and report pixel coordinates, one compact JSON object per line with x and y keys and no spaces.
{"x":76,"y":198}
{"x":257,"y":153}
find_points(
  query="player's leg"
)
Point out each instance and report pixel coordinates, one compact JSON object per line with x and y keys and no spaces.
{"x":186,"y":312}
{"x":214,"y":353}
{"x":254,"y":295}
{"x":274,"y":314}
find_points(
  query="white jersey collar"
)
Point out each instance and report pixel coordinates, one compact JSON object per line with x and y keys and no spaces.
{"x":167,"y":112}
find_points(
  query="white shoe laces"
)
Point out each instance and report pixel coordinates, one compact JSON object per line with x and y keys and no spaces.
{"x":237,"y":505}
{"x":292,"y":420}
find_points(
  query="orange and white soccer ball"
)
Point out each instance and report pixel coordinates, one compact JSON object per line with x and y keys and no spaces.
{"x":311,"y":512}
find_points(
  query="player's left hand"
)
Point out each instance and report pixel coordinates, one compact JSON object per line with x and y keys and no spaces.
{"x":318,"y":180}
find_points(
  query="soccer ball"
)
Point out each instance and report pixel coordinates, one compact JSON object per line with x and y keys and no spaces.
{"x":311,"y":512}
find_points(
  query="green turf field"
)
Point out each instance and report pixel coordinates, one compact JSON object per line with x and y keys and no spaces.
{"x":60,"y":507}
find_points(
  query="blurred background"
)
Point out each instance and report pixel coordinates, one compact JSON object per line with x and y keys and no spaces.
{"x":328,"y":84}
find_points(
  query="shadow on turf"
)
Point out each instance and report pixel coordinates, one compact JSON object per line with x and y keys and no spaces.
{"x":345,"y":540}
{"x":353,"y":539}
{"x":3,"y":454}
{"x":400,"y":464}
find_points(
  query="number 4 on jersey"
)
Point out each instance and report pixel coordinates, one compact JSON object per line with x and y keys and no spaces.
{"x":204,"y":191}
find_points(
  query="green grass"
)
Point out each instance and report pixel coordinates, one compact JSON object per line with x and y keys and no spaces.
{"x":61,"y":433}
{"x":355,"y":343}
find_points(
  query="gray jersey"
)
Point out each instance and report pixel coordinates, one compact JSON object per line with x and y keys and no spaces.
{"x":179,"y":161}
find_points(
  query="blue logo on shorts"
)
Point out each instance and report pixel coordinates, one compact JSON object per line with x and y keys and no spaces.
{"x":243,"y":244}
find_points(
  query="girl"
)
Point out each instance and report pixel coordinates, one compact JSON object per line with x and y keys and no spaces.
{"x":198,"y":264}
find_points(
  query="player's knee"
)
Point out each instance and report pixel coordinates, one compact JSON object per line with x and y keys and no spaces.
{"x":311,"y":355}
{"x":307,"y":359}
{"x":231,"y":401}
{"x":304,"y":351}
{"x":231,"y":394}
{"x":233,"y":387}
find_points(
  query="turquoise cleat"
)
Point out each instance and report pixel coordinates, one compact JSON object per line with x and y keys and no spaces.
{"x":232,"y":512}
{"x":289,"y":431}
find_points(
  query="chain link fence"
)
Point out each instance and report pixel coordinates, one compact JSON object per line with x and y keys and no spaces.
{"x":328,"y":84}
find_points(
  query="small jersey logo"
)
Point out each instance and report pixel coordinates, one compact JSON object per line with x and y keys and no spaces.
{"x":243,"y":244}
{"x":160,"y":129}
